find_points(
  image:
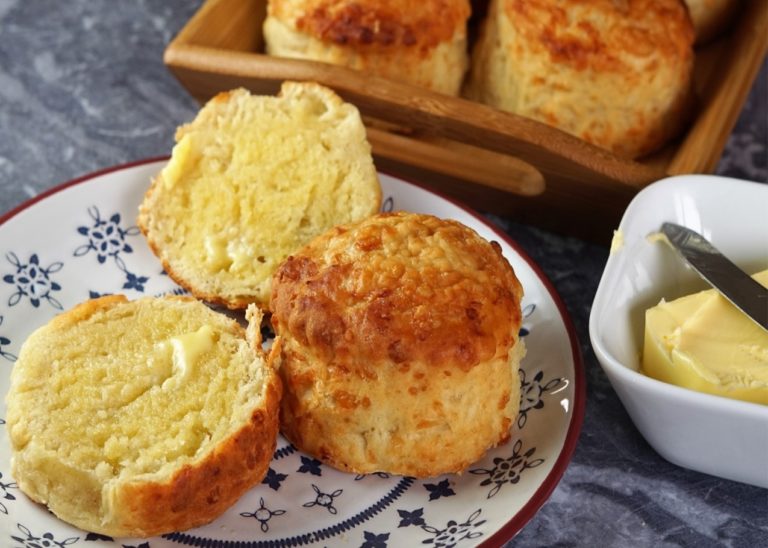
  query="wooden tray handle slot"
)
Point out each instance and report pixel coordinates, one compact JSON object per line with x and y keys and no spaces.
{"x":459,"y":160}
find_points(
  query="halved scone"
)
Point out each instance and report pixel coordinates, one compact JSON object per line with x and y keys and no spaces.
{"x":252,"y":179}
{"x":138,"y":418}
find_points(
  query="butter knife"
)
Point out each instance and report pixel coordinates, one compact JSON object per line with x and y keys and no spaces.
{"x":733,"y":283}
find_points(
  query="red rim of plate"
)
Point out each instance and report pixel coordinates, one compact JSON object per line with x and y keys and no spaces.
{"x":540,"y":496}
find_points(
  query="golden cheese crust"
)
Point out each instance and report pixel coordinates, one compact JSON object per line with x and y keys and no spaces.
{"x":614,"y":73}
{"x":401,"y":288}
{"x":400,"y":345}
{"x":376,"y":23}
{"x":419,"y":42}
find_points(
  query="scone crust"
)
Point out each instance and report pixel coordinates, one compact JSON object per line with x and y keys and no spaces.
{"x":615,"y":74}
{"x":422,"y":43}
{"x":150,"y":505}
{"x":400,"y":345}
{"x":400,"y":288}
{"x":375,"y":23}
{"x":197,"y":494}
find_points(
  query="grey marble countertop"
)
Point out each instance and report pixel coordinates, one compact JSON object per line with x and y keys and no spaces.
{"x":83,"y":87}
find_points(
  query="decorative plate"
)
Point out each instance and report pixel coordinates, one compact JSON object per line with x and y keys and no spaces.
{"x":79,"y":240}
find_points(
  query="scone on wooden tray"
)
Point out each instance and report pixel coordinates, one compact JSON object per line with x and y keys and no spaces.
{"x":615,"y":74}
{"x":400,"y":346}
{"x":252,"y":179}
{"x":137,"y":418}
{"x":422,"y":43}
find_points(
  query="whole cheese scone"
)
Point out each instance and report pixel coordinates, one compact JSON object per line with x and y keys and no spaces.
{"x":139,"y":418}
{"x":422,"y":43}
{"x":400,"y":346}
{"x":251,"y":180}
{"x":615,"y":74}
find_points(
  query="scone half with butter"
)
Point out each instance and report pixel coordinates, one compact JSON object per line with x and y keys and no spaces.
{"x":251,"y":179}
{"x":139,"y":418}
{"x":400,"y":349}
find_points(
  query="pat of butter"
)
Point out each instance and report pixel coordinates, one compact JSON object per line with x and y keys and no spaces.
{"x":181,"y":155}
{"x":221,"y":254}
{"x":216,"y":253}
{"x":186,"y":352}
{"x":241,"y":255}
{"x":617,"y":242}
{"x":704,"y":343}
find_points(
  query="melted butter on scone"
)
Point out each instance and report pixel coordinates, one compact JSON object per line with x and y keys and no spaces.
{"x":216,"y":257}
{"x":181,"y":159}
{"x":187,"y":349}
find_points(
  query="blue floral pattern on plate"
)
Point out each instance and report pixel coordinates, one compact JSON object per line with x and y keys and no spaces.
{"x":6,"y":488}
{"x":4,"y":342}
{"x":301,"y":501}
{"x":33,"y":281}
{"x":262,"y":514}
{"x":46,"y":540}
{"x":108,"y":239}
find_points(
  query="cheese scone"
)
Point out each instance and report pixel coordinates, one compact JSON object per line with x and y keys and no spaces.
{"x":252,"y":179}
{"x":139,"y":418}
{"x":400,"y":346}
{"x":615,"y":74}
{"x":423,"y":43}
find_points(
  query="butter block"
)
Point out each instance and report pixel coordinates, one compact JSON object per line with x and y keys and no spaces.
{"x":704,"y":343}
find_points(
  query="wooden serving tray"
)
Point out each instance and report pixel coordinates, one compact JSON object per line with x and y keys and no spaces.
{"x":495,"y":161}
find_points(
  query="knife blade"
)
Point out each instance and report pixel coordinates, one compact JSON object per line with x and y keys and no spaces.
{"x":734,"y":284}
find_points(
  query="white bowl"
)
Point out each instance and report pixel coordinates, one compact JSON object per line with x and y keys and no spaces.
{"x":710,"y":434}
